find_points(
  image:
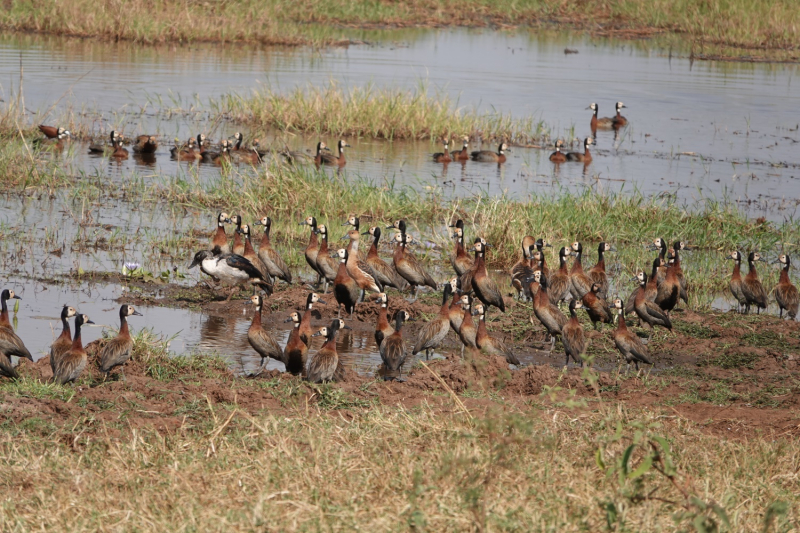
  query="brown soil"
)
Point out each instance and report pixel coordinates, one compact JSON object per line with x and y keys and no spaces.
{"x":732,"y":375}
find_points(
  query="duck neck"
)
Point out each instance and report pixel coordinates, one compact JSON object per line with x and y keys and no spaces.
{"x":352,"y":252}
{"x":373,"y":249}
{"x":383,"y":317}
{"x":784,"y":274}
{"x":313,"y":241}
{"x":237,"y":237}
{"x":77,"y":343}
{"x":323,"y":248}
{"x":4,"y":314}
{"x":265,"y":237}
{"x":257,"y":317}
{"x":621,"y":326}
{"x":752,"y":270}
{"x":737,"y":270}
{"x":563,"y":268}
{"x":601,"y":258}
{"x":123,"y":326}
{"x":480,"y":262}
{"x":65,"y":330}
{"x":482,"y":333}
{"x":460,"y":247}
{"x":330,"y":344}
{"x":248,"y":246}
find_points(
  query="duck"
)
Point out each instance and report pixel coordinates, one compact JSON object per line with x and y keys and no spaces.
{"x":443,"y":157}
{"x":118,"y":350}
{"x":295,"y":353}
{"x":353,"y":220}
{"x":72,"y":363}
{"x":53,"y":132}
{"x":382,"y":327}
{"x":679,"y":246}
{"x":598,"y":272}
{"x":250,"y":156}
{"x":627,"y":342}
{"x":463,"y":154}
{"x":619,"y":121}
{"x":586,"y":156}
{"x":276,"y":267}
{"x":559,"y":283}
{"x":63,"y":343}
{"x":485,"y":287}
{"x":304,"y":330}
{"x":219,"y":241}
{"x":236,"y":144}
{"x":785,"y":291}
{"x":752,"y":288}
{"x":641,"y":280}
{"x":467,"y":331}
{"x":548,"y":314}
{"x":580,"y":282}
{"x":487,"y":156}
{"x":345,"y":288}
{"x":231,"y":269}
{"x":119,"y":151}
{"x":523,"y":268}
{"x":669,"y":291}
{"x":454,"y":311}
{"x":313,"y":247}
{"x":465,"y":280}
{"x":327,"y":265}
{"x":145,"y":144}
{"x":596,"y":307}
{"x":323,"y":366}
{"x":558,"y":156}
{"x":529,"y":288}
{"x":360,"y":270}
{"x":433,"y":333}
{"x":393,"y":348}
{"x":735,"y":284}
{"x":297,"y":156}
{"x":648,"y":310}
{"x":386,"y":274}
{"x":185,"y":152}
{"x":330,"y":159}
{"x":105,"y":148}
{"x":460,"y":259}
{"x":251,"y":255}
{"x":491,"y":346}
{"x":605,"y":123}
{"x":573,"y":337}
{"x":407,"y":265}
{"x":261,"y":341}
{"x":201,"y":146}
{"x":10,"y":343}
{"x":238,"y":240}
{"x":218,"y":158}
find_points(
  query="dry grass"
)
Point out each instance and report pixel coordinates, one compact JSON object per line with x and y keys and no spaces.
{"x":741,"y":23}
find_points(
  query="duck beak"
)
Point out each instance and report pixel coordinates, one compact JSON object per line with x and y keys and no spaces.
{"x":346,"y":223}
{"x":321,"y":301}
{"x":137,"y":313}
{"x":365,"y":233}
{"x":227,"y":221}
{"x":17,"y":297}
{"x":635,"y":278}
{"x":89,"y":322}
{"x":346,"y":326}
{"x":257,"y":223}
{"x":548,"y":245}
{"x":344,"y":238}
{"x":287,"y":320}
{"x":317,"y":334}
{"x":612,"y":249}
{"x":390,"y":226}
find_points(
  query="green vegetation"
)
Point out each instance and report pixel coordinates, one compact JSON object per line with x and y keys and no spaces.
{"x":771,"y":24}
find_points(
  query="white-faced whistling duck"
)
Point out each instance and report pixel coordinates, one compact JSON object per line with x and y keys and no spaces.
{"x":443,"y":157}
{"x":10,"y":343}
{"x":465,"y":280}
{"x":586,"y":156}
{"x":487,"y":156}
{"x":546,"y":311}
{"x":305,"y":322}
{"x":580,"y":282}
{"x":236,"y":145}
{"x":238,"y":240}
{"x":324,"y":364}
{"x":186,"y":152}
{"x":313,"y":247}
{"x":597,"y":307}
{"x":250,"y":156}
{"x":387,"y":275}
{"x":261,"y":341}
{"x":295,"y":353}
{"x":52,"y":132}
{"x":460,"y":259}
{"x":594,"y":122}
{"x":345,"y":288}
{"x":454,"y":311}
{"x":559,"y":285}
{"x":627,"y":342}
{"x":735,"y":284}
{"x":530,"y":287}
{"x":752,"y":288}
{"x":330,"y":159}
{"x":541,"y":244}
{"x":598,"y":271}
{"x":271,"y":258}
{"x":119,"y":151}
{"x":406,"y":264}
{"x":382,"y":327}
{"x":485,"y":287}
{"x":573,"y":336}
{"x":219,"y":241}
{"x":523,"y":268}
{"x":651,"y":284}
{"x":328,"y":266}
{"x":677,"y":247}
{"x":118,"y":350}
{"x":648,"y":311}
{"x":251,"y":255}
{"x":73,"y":362}
{"x":103,"y":147}
{"x":201,"y":146}
{"x":145,"y":144}
{"x":321,"y":146}
{"x":785,"y":292}
{"x":619,"y":121}
{"x":432,"y":334}
{"x":231,"y":269}
{"x":489,"y":345}
{"x":463,"y":154}
{"x":353,"y":220}
{"x":360,"y":270}
{"x":224,"y":154}
{"x":467,"y":331}
{"x":296,"y":156}
{"x":393,"y":349}
{"x":669,"y":291}
{"x":641,"y":280}
{"x":558,"y":156}
{"x":660,"y":244}
{"x":63,"y":343}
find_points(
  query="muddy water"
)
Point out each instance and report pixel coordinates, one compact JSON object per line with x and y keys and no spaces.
{"x":699,"y":130}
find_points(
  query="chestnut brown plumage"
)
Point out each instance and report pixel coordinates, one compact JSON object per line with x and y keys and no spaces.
{"x":261,"y":341}
{"x":73,"y":362}
{"x":785,"y":292}
{"x":627,"y":342}
{"x":572,"y":335}
{"x":432,"y":334}
{"x":393,"y":349}
{"x":295,"y":353}
{"x":64,"y":341}
{"x":117,"y":351}
{"x":752,"y":288}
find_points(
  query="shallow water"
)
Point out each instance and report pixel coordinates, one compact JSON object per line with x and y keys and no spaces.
{"x":737,"y":119}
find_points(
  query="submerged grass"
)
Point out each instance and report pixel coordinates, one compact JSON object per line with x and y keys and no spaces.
{"x":377,"y":113}
{"x":740,"y":23}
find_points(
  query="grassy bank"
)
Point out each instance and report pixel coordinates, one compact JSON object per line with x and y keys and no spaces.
{"x":374,"y":112}
{"x":771,"y":24}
